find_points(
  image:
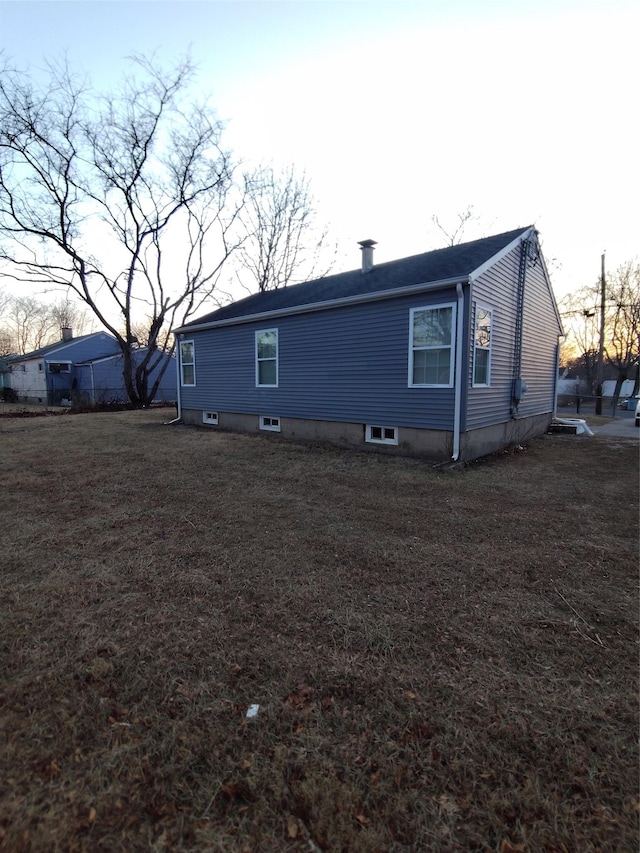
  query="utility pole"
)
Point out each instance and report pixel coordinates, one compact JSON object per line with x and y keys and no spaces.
{"x":601,"y":343}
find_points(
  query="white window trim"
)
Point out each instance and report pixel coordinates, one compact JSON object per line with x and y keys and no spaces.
{"x":488,"y":349}
{"x":66,"y":363}
{"x":452,"y":346}
{"x":182,"y":382}
{"x":267,"y":422}
{"x":385,"y":440}
{"x":209,"y":417}
{"x":258,"y":360}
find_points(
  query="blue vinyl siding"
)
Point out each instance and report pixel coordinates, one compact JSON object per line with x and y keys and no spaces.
{"x":541,"y":328}
{"x":93,"y":346}
{"x":104,"y":382}
{"x":497,"y":289}
{"x":346,"y":364}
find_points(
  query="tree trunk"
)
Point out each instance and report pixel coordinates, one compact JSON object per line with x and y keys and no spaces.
{"x":620,"y":378}
{"x":129,"y":376}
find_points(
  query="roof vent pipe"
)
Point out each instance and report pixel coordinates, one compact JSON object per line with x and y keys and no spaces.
{"x":366,"y":246}
{"x":67,"y":333}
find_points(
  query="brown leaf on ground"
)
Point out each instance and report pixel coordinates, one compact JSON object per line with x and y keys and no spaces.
{"x":508,"y":847}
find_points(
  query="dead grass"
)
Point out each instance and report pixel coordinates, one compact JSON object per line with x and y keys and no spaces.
{"x":443,"y":660}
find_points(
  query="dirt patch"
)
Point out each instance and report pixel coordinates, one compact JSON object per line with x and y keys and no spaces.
{"x":17,"y":411}
{"x":26,"y":410}
{"x":442,"y":660}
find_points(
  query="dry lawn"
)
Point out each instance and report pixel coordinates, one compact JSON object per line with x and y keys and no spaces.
{"x":444,"y":660}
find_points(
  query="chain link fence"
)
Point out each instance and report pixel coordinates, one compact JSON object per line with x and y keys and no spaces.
{"x":74,"y":399}
{"x":586,"y":404}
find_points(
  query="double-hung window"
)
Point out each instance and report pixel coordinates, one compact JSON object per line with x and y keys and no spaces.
{"x":267,"y":358}
{"x":431,"y":349}
{"x":187,"y":363}
{"x":482,"y":346}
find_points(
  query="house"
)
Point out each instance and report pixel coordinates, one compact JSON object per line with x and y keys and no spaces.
{"x":100,"y":379}
{"x":87,"y":370}
{"x":451,"y":354}
{"x":47,"y":375}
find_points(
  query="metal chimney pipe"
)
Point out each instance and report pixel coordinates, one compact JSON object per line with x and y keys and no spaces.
{"x":366,"y":247}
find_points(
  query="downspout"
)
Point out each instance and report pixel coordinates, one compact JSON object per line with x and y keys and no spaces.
{"x":555,"y":384}
{"x":93,"y":387}
{"x":457,"y":408}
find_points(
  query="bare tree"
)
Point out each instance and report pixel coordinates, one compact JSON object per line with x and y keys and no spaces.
{"x":7,"y":345}
{"x":122,"y":198}
{"x":621,"y":334}
{"x":27,"y":324}
{"x":455,"y":234}
{"x":6,"y":342}
{"x":284,"y":244}
{"x":140,"y":332}
{"x":580,"y":347}
{"x":622,"y":324}
{"x":68,"y":314}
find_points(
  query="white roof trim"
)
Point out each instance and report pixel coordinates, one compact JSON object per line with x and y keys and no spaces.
{"x":525,"y":234}
{"x":38,"y":354}
{"x":88,"y":361}
{"x":323,"y":306}
{"x":501,"y":254}
{"x":551,"y":293}
{"x":113,"y":355}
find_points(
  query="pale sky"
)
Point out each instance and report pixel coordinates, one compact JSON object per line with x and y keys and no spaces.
{"x":398,"y":111}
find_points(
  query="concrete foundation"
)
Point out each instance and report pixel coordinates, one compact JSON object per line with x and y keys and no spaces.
{"x":432,"y":444}
{"x":481,"y":442}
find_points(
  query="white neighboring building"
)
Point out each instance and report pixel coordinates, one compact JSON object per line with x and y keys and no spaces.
{"x":609,"y":387}
{"x":47,"y":375}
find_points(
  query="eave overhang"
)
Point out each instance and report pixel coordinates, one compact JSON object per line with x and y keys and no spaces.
{"x":375,"y":296}
{"x":494,"y":259}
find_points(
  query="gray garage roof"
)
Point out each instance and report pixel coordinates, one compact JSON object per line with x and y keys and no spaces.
{"x":441,"y":265}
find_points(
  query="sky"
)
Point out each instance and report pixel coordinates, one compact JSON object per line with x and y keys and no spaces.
{"x":400,"y":111}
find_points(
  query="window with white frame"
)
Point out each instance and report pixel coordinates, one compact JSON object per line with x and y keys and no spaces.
{"x":381,"y":434}
{"x":267,"y":358}
{"x":210,"y":417}
{"x":482,"y":346}
{"x":59,"y":367}
{"x":431,"y":350}
{"x":187,"y":363}
{"x":271,"y":423}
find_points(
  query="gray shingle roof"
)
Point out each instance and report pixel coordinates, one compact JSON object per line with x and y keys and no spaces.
{"x":43,"y":351}
{"x":429,"y":267}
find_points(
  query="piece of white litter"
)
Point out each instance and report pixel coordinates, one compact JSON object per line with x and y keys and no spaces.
{"x":579,"y":424}
{"x":253,"y":711}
